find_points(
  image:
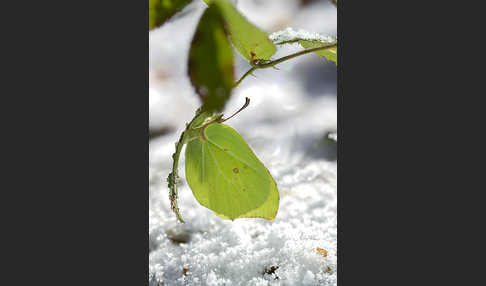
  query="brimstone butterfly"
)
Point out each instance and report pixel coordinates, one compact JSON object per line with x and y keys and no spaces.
{"x":225,"y":175}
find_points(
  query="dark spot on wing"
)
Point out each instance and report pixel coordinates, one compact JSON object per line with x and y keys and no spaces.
{"x":235,"y":170}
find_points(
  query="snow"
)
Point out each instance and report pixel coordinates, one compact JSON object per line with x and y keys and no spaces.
{"x":290,"y":114}
{"x":257,"y":12}
{"x":332,"y":136}
{"x":289,"y":35}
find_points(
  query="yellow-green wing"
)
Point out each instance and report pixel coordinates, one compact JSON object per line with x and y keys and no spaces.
{"x":226,"y":176}
{"x":267,"y":211}
{"x":196,"y":171}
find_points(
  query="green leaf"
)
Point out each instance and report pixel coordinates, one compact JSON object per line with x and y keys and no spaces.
{"x":308,"y":40}
{"x":250,"y":41}
{"x":211,"y":61}
{"x":329,"y":53}
{"x":162,"y":10}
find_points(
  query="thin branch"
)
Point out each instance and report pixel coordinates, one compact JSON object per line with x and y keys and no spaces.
{"x":173,"y":177}
{"x":283,"y":59}
{"x":280,"y":60}
{"x":245,"y":75}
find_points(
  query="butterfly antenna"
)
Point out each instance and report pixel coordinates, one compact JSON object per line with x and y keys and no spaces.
{"x":247,"y":102}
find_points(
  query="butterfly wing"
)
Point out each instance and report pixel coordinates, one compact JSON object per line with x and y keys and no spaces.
{"x":196,"y":166}
{"x":227,"y":177}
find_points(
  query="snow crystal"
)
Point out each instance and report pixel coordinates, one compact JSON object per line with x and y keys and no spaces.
{"x":308,"y":278}
{"x":290,"y":35}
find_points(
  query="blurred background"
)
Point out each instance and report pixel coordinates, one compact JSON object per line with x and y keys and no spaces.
{"x":274,"y":94}
{"x":291,"y":112}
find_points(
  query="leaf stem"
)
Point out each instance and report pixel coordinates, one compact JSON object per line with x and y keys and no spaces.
{"x":245,"y":75}
{"x":173,"y":177}
{"x":280,"y":60}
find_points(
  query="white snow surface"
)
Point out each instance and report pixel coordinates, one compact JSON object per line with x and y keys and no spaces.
{"x":290,"y":34}
{"x":284,"y":124}
{"x":333,"y":136}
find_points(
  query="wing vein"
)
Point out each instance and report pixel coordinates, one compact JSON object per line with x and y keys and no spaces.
{"x":242,"y":161}
{"x":219,"y":168}
{"x":243,"y":194}
{"x":202,"y":169}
